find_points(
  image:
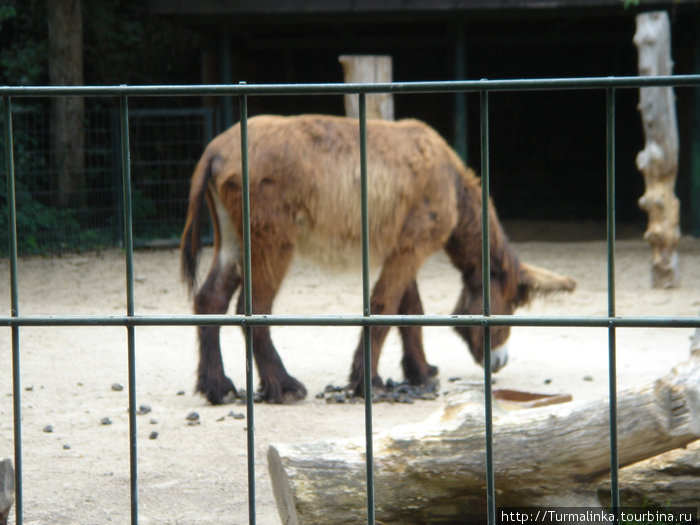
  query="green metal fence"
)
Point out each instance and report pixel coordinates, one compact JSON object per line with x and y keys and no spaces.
{"x":248,"y":320}
{"x":166,"y":143}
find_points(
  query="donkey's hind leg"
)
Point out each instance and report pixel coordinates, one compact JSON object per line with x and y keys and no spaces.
{"x":213,"y":298}
{"x":270,"y":264}
{"x":415,"y":368}
{"x":398,"y":272}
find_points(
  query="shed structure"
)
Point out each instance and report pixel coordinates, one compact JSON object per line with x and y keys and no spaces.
{"x":548,"y":154}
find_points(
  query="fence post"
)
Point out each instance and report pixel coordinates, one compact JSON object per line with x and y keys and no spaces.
{"x":14,"y":307}
{"x":248,"y":309}
{"x":366,"y":308}
{"x":131,"y":342}
{"x":486,"y":283}
{"x":612,"y":339}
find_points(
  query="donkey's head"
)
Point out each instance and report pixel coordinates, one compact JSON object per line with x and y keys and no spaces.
{"x":512,"y":285}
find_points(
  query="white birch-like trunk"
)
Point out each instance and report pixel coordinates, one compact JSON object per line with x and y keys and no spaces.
{"x":658,"y":161}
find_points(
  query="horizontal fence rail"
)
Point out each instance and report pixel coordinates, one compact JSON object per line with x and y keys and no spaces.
{"x":395,"y":88}
{"x":131,"y":321}
{"x":353,"y":320}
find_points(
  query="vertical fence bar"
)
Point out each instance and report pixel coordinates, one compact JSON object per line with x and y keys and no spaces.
{"x":131,"y":343}
{"x":612,"y":350}
{"x":366,"y":331}
{"x":486,"y":283}
{"x":14,"y":307}
{"x":248,"y":308}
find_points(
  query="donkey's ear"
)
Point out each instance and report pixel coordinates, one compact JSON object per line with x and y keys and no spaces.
{"x":540,"y":281}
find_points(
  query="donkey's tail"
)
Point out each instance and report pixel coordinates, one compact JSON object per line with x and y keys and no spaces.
{"x":191,"y":241}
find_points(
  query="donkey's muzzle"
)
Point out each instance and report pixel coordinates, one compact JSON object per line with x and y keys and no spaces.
{"x":499,"y":357}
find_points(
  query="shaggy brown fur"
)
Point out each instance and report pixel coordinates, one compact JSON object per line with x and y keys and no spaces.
{"x":305,"y":197}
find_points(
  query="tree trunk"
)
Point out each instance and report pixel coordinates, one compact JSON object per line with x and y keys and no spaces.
{"x":67,"y":113}
{"x":435,"y":472}
{"x":368,"y":69}
{"x":658,"y":161}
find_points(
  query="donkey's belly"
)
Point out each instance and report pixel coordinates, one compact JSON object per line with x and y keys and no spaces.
{"x":335,"y":247}
{"x":333,"y":252}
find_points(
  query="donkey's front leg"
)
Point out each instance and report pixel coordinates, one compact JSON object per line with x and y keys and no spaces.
{"x":415,"y":368}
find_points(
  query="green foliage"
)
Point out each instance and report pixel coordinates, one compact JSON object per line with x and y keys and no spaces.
{"x":125,"y":44}
{"x":42,"y":228}
{"x":7,"y":12}
{"x":122,"y":44}
{"x":23,"y":49}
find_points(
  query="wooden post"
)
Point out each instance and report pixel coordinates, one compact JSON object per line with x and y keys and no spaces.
{"x":368,"y":69}
{"x":658,"y":161}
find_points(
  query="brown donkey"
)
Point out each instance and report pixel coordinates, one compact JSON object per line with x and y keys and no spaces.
{"x":305,"y":197}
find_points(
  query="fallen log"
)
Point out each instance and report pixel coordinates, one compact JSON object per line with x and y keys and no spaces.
{"x":435,"y":472}
{"x":7,"y":489}
{"x":671,"y":479}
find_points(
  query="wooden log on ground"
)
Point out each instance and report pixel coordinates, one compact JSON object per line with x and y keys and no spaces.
{"x":368,"y":69}
{"x":695,"y":342}
{"x":435,"y":472}
{"x":658,"y":161}
{"x":670,"y":479}
{"x":7,"y":489}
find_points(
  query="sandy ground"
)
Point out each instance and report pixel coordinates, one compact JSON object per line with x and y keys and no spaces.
{"x":79,"y":472}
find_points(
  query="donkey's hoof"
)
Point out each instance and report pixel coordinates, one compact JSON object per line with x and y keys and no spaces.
{"x":218,"y":392}
{"x":293,"y":391}
{"x":427,"y":378}
{"x":286,"y":391}
{"x":358,"y":386}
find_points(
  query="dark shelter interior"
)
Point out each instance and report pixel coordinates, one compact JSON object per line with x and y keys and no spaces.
{"x":548,"y":149}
